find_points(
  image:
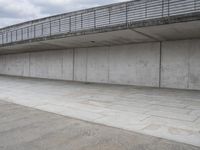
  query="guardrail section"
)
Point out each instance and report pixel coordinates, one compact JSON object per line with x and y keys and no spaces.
{"x":104,"y":16}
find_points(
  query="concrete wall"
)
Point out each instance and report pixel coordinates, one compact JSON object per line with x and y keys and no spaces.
{"x":52,"y":64}
{"x":80,"y":64}
{"x":136,"y":64}
{"x":174,"y":64}
{"x":15,"y":64}
{"x":2,"y":64}
{"x":180,"y":64}
{"x":48,"y":64}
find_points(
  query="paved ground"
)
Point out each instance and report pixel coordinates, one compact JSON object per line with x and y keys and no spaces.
{"x":169,"y":114}
{"x":23,"y":128}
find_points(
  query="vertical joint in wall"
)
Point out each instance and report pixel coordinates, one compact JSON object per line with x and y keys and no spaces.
{"x":86,"y":65}
{"x":160,"y":64}
{"x":73,"y":78}
{"x":188,"y":62}
{"x":108,"y":57}
{"x":29,"y":67}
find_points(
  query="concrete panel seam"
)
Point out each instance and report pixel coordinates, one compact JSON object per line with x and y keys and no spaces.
{"x":108,"y":64}
{"x":62,"y":69}
{"x":86,"y":65}
{"x":73,"y":68}
{"x":160,"y":64}
{"x":29,"y":59}
{"x":188,"y":81}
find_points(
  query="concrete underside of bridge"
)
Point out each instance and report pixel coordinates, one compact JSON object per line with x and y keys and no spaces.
{"x":157,"y":56}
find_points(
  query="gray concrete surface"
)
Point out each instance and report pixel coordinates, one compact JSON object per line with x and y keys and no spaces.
{"x":97,"y":64}
{"x":135,"y":64}
{"x":52,"y":64}
{"x":23,"y":128}
{"x":171,"y":64}
{"x":180,"y":64}
{"x":164,"y":113}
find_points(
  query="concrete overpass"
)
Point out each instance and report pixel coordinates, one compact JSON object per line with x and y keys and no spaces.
{"x":142,"y":42}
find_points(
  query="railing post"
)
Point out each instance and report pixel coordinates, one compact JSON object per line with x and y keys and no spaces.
{"x":27,"y":32}
{"x":168,"y":8}
{"x":95,"y":23}
{"x":145,"y":9}
{"x":34,"y":31}
{"x":59,"y":23}
{"x":109,"y":11}
{"x":50,"y":27}
{"x":163,"y":8}
{"x":127,"y":13}
{"x":70,"y":23}
{"x":11,"y":34}
{"x":75,"y":23}
{"x":6,"y":37}
{"x":81,"y":21}
{"x":2,"y":38}
{"x":16,"y":35}
{"x":22,"y":34}
{"x":42,"y":30}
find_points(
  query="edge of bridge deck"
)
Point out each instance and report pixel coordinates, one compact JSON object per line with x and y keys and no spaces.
{"x":138,"y":24}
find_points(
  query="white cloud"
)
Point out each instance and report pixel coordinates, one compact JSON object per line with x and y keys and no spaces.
{"x":18,"y":9}
{"x":15,"y":11}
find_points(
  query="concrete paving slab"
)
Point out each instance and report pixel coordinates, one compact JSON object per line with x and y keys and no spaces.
{"x":47,"y":131}
{"x":165,"y":113}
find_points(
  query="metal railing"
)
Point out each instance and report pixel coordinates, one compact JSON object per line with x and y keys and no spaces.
{"x":121,"y":13}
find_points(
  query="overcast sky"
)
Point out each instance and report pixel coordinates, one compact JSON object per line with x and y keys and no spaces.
{"x":16,"y":11}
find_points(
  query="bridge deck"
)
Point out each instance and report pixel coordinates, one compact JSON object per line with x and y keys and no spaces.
{"x":111,"y":17}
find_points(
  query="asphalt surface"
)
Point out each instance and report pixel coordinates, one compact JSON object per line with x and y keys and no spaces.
{"x":24,"y":128}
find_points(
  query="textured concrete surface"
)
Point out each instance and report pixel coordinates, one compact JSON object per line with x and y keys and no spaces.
{"x":169,"y":114}
{"x":52,"y":64}
{"x":129,"y":64}
{"x":23,"y":128}
{"x":172,"y":64}
{"x":135,"y":64}
{"x":180,"y":64}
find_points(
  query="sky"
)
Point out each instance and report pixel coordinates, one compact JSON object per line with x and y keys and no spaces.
{"x":16,"y":11}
